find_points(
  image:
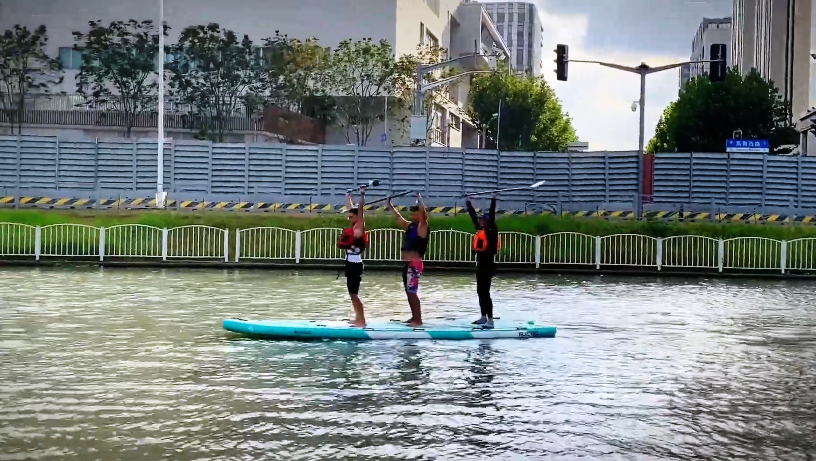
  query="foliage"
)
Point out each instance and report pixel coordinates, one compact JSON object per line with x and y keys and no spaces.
{"x":24,"y":68}
{"x":294,"y":68}
{"x":707,"y":113}
{"x":532,"y":118}
{"x":535,"y":224}
{"x":359,"y":76}
{"x":218,"y":74}
{"x":118,"y":70}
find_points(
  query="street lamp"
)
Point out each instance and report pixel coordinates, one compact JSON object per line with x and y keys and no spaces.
{"x":643,"y":70}
{"x":160,"y":194}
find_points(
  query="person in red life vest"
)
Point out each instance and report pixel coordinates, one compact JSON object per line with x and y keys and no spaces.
{"x":354,"y":240}
{"x":414,"y":244}
{"x":486,"y":244}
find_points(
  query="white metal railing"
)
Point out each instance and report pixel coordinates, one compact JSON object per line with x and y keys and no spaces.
{"x":384,"y":245}
{"x":135,"y":241}
{"x":69,"y":240}
{"x":567,"y":248}
{"x":690,"y":251}
{"x":628,"y":250}
{"x":19,"y":239}
{"x":321,"y":244}
{"x":267,"y":243}
{"x":197,"y":242}
{"x":752,"y":253}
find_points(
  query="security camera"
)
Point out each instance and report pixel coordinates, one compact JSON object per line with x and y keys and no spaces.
{"x":634,"y":106}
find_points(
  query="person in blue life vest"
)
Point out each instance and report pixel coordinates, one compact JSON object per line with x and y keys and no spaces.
{"x":486,"y":244}
{"x":414,"y":244}
{"x":354,"y":240}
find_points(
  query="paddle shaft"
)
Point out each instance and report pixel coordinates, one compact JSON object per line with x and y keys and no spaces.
{"x":390,"y":197}
{"x":372,"y":183}
{"x":533,"y":186}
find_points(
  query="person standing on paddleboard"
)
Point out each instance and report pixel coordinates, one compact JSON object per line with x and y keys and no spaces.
{"x":414,"y":244}
{"x":486,"y":244}
{"x":355,"y":240}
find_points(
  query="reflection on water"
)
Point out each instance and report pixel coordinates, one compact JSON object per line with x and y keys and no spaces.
{"x":132,"y":365}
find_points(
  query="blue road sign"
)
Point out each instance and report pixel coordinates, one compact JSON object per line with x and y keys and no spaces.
{"x":748,"y":145}
{"x":383,"y":137}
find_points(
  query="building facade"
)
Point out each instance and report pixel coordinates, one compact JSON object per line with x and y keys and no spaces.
{"x":520,"y":25}
{"x":462,"y":27}
{"x":774,"y":37}
{"x":711,"y":33}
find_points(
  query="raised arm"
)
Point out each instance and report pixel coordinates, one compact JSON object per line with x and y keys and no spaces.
{"x":492,"y":217}
{"x":472,"y":213}
{"x":422,"y":228}
{"x":397,"y":216}
{"x":349,"y":203}
{"x":359,"y":226}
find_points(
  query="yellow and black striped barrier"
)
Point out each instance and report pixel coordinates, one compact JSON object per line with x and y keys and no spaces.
{"x":150,"y":203}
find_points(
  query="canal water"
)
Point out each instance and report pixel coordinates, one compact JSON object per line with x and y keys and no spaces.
{"x":131,"y":364}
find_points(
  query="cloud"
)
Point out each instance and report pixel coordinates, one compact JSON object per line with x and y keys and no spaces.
{"x":599,"y":99}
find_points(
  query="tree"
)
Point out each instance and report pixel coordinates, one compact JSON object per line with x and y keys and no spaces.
{"x":359,"y":76}
{"x":532,"y":118}
{"x":707,"y":113}
{"x":119,"y":67}
{"x":294,"y":70}
{"x":24,"y":68}
{"x":218,"y":75}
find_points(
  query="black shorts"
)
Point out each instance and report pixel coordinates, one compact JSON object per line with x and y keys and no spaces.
{"x":354,"y":275}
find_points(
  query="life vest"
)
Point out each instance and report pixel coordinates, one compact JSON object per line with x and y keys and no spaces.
{"x":480,"y":242}
{"x":411,"y":241}
{"x":347,"y":240}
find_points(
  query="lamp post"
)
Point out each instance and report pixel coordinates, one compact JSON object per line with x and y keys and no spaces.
{"x":643,"y":70}
{"x":160,"y":194}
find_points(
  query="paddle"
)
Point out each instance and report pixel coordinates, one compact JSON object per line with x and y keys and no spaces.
{"x":531,"y":186}
{"x":372,"y":183}
{"x":390,"y":197}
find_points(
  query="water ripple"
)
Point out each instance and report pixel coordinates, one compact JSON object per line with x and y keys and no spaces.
{"x":132,"y":364}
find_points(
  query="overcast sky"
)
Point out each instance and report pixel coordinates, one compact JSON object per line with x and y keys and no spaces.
{"x":626,"y":32}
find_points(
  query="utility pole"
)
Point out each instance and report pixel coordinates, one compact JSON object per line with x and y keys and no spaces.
{"x":160,"y":194}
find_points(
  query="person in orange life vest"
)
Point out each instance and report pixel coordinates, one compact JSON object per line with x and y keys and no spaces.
{"x":414,"y":244}
{"x":486,"y":244}
{"x":354,"y":240}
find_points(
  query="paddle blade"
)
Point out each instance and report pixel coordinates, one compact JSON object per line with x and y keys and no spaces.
{"x":538,"y":184}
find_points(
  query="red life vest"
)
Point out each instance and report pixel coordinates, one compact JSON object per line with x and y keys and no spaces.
{"x":480,"y":242}
{"x":347,"y":240}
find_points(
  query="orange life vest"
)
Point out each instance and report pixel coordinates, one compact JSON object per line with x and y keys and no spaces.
{"x":480,"y":242}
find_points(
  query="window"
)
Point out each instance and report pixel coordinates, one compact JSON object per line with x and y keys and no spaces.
{"x":519,"y":58}
{"x":430,"y":40}
{"x":501,"y":30}
{"x":422,"y":33}
{"x":521,"y":17}
{"x":520,"y":36}
{"x":455,"y":122}
{"x":509,"y":40}
{"x":70,"y":58}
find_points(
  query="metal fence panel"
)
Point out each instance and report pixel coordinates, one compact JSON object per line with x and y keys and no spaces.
{"x":78,"y":165}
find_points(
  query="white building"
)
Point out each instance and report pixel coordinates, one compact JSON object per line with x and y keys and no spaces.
{"x":520,"y":25}
{"x":463,"y":27}
{"x":774,"y":37}
{"x":711,"y":33}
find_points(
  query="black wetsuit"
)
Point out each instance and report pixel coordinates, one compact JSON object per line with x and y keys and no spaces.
{"x":485,"y":261}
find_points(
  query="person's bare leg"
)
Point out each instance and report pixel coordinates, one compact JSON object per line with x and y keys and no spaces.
{"x":416,"y":310}
{"x":359,"y":314}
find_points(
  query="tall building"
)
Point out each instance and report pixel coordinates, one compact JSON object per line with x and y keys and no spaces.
{"x":461,"y":26}
{"x":773,"y":37}
{"x":711,"y":36}
{"x":520,"y":25}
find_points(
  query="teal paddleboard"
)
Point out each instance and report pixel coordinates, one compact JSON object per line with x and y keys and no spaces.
{"x":449,"y":329}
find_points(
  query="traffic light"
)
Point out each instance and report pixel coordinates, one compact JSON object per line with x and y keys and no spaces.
{"x":717,"y":70}
{"x":561,"y":62}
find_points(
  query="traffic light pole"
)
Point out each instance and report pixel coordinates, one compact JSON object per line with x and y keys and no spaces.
{"x":643,"y":70}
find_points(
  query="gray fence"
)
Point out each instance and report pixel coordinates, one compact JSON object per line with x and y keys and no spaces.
{"x":267,"y":172}
{"x":735,"y":182}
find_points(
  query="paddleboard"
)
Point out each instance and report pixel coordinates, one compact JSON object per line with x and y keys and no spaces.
{"x":448,"y":329}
